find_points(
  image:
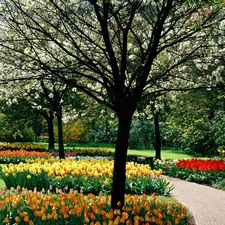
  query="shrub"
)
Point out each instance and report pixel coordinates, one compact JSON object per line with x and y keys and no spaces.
{"x":76,"y":130}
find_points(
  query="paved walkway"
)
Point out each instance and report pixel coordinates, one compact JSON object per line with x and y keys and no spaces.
{"x":205,"y":203}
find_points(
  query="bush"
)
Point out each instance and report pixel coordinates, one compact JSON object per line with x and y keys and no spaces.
{"x":17,"y":134}
{"x":75,"y":130}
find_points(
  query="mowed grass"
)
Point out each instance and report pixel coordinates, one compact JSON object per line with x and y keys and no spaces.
{"x":2,"y":184}
{"x":165,"y":153}
{"x":168,"y":153}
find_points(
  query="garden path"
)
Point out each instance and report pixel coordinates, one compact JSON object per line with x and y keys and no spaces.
{"x":207,"y":204}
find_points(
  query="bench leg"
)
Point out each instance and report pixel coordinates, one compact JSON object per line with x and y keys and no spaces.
{"x":150,"y":161}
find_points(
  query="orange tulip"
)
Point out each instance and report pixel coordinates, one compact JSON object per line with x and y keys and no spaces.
{"x":6,"y":220}
{"x":26,"y":218}
{"x":31,"y":222}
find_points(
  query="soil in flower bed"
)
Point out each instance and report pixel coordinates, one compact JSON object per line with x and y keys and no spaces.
{"x":191,"y":220}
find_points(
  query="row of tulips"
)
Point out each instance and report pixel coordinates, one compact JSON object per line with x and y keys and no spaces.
{"x":18,"y":146}
{"x":87,"y":176}
{"x":89,"y":152}
{"x":203,"y":171}
{"x":201,"y":164}
{"x":86,"y":152}
{"x":17,"y":156}
{"x":32,"y":207}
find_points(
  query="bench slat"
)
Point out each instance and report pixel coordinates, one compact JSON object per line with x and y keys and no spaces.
{"x":148,"y":159}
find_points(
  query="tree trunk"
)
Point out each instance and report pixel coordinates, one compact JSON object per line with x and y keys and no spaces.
{"x":119,"y":174}
{"x":51,"y":138}
{"x":157,"y":137}
{"x":60,"y":133}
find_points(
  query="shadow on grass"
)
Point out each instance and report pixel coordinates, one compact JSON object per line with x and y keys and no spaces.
{"x":2,"y":184}
{"x":165,"y":153}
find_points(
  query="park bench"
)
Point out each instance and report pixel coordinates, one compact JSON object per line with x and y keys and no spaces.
{"x":148,"y":159}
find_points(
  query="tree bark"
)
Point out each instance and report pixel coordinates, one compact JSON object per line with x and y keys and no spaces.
{"x":51,"y":137}
{"x":60,"y":133}
{"x":157,"y":137}
{"x":119,"y":174}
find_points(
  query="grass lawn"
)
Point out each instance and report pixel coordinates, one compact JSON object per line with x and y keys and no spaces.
{"x":2,"y":183}
{"x":165,"y":154}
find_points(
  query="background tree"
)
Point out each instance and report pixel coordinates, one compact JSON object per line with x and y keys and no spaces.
{"x":102,"y":123}
{"x":193,"y":118}
{"x":49,"y":99}
{"x":110,"y":50}
{"x":19,"y":122}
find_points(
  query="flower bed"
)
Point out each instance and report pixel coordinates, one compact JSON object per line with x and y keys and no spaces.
{"x":18,"y":146}
{"x":201,"y":164}
{"x":87,"y":152}
{"x":32,"y":207}
{"x":88,"y":176}
{"x":16,"y":156}
{"x":65,"y":192}
{"x":203,"y":171}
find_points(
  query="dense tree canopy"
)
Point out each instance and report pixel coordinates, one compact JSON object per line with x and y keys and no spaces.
{"x":117,"y":52}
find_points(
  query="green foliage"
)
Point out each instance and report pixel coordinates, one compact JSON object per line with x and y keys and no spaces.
{"x":141,"y":134}
{"x":102,"y":125}
{"x":190,"y":122}
{"x":2,"y":184}
{"x":27,"y":180}
{"x":220,"y":185}
{"x":135,"y":185}
{"x":19,"y":121}
{"x":75,"y":130}
{"x":89,"y":144}
{"x":15,"y":131}
{"x":140,"y":185}
{"x":218,"y":128}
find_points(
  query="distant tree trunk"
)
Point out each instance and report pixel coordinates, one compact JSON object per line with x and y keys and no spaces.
{"x":119,"y":174}
{"x":157,"y":137}
{"x":51,"y":139}
{"x":60,"y":133}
